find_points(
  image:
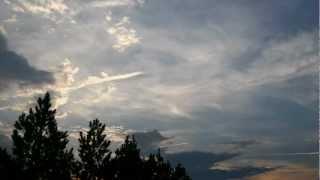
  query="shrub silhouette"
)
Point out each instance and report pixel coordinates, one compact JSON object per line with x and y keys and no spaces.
{"x":40,"y":153}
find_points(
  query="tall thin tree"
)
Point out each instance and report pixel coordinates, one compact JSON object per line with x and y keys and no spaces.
{"x":94,"y":151}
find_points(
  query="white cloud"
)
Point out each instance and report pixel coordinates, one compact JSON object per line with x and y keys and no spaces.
{"x":103,"y":78}
{"x":46,"y":7}
{"x":124,"y":35}
{"x":64,"y":10}
{"x":98,"y":95}
{"x":65,"y":86}
{"x":116,"y":134}
{"x":115,"y":3}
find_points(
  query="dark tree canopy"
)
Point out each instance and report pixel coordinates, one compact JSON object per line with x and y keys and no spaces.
{"x":127,"y":161}
{"x":40,"y":153}
{"x":39,"y":147}
{"x":9,"y":169}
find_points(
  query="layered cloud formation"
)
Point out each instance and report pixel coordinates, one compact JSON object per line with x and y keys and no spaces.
{"x":219,"y":76}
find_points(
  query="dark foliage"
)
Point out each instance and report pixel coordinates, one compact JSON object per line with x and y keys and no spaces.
{"x":127,"y":161}
{"x":93,"y":151}
{"x":40,"y":153}
{"x":9,"y":169}
{"x":39,"y":147}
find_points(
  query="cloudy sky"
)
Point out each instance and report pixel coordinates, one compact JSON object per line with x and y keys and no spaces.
{"x":231,"y":85}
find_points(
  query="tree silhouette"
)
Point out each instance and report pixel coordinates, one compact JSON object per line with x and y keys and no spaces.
{"x":127,"y":161}
{"x":40,"y":153}
{"x":156,"y":168}
{"x":180,"y":173}
{"x":93,"y":151}
{"x":39,"y":147}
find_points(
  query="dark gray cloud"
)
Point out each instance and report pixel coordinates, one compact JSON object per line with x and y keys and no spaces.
{"x":198,"y":165}
{"x":149,"y":141}
{"x":241,"y":144}
{"x":15,"y":69}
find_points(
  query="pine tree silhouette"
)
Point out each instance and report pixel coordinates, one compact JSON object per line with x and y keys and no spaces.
{"x":180,"y":173}
{"x":93,"y":151}
{"x":39,"y":147}
{"x":40,"y":153}
{"x":156,"y":168}
{"x":127,"y":161}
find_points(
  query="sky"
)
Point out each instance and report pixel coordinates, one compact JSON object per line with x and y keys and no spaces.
{"x":231,"y":86}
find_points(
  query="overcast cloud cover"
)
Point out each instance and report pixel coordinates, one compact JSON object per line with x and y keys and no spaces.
{"x":235,"y":82}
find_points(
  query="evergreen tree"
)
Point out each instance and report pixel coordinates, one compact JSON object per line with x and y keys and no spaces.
{"x":150,"y":167}
{"x":127,"y":161}
{"x":93,"y":151}
{"x":39,"y":147}
{"x":40,"y":153}
{"x":180,"y":173}
{"x":156,"y":168}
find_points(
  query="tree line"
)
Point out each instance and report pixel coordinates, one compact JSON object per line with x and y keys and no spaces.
{"x":40,"y":152}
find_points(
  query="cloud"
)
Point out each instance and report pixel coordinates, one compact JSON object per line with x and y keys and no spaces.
{"x":241,"y":144}
{"x":67,"y":86}
{"x":46,"y":7}
{"x":115,"y":3}
{"x":16,"y":70}
{"x":197,"y":163}
{"x":292,"y":172}
{"x":221,"y":75}
{"x":198,"y":166}
{"x":286,"y":59}
{"x":294,"y":154}
{"x":64,"y":88}
{"x":103,"y":78}
{"x":116,"y":134}
{"x":150,"y":140}
{"x":125,"y":36}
